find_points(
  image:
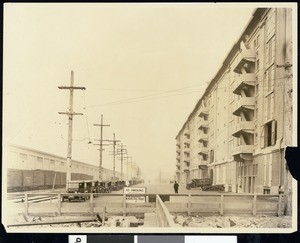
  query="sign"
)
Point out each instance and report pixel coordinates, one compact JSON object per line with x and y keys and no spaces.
{"x":135,"y":198}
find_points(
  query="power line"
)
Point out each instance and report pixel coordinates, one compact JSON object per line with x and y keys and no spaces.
{"x":225,"y":89}
{"x":145,"y":96}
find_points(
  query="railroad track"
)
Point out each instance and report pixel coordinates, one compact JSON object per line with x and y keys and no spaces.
{"x":32,"y":199}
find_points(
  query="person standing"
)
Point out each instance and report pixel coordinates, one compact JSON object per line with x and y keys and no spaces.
{"x":176,"y":186}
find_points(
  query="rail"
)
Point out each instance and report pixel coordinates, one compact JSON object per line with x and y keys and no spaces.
{"x":163,"y":204}
{"x":222,"y":203}
{"x":165,"y":219}
{"x":83,"y":203}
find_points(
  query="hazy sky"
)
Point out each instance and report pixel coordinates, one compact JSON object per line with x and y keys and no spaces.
{"x":144,"y":68}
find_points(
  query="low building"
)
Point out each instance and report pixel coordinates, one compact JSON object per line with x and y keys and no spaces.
{"x":30,"y":168}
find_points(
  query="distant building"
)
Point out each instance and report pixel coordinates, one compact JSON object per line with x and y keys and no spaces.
{"x":239,"y":129}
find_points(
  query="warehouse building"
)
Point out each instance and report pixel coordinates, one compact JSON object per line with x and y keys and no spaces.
{"x":33,"y":169}
{"x":239,"y":129}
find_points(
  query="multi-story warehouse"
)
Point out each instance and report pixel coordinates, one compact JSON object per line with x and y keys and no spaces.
{"x":239,"y":129}
{"x":30,"y":168}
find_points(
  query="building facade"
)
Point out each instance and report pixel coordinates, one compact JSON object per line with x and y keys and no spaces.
{"x":238,"y":131}
{"x":25,"y":161}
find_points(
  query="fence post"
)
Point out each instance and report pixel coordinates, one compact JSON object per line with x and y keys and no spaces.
{"x":91,"y":203}
{"x":124,"y":205}
{"x":103,"y":216}
{"x":279,"y":205}
{"x":222,"y":205}
{"x":254,"y":205}
{"x":189,"y":204}
{"x":26,"y":204}
{"x":59,"y":204}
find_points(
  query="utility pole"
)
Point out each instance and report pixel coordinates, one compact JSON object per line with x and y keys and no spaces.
{"x":114,"y":144}
{"x":114,"y":141}
{"x":127,"y":163}
{"x":121,"y":152}
{"x":138,"y":172}
{"x":70,"y":114}
{"x":101,"y":144}
{"x":131,"y":168}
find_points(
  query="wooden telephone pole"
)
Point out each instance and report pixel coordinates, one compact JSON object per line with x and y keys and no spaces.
{"x":122,"y":151}
{"x":127,"y":163}
{"x":114,"y":141}
{"x":101,"y":145}
{"x":70,"y":114}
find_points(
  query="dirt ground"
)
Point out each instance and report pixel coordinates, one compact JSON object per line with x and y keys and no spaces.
{"x":262,"y":221}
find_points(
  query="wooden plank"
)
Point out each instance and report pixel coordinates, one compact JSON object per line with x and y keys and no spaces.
{"x":279,"y":206}
{"x":137,"y":205}
{"x":92,"y":203}
{"x":237,"y":203}
{"x":176,"y":206}
{"x":114,"y":211}
{"x":59,"y":204}
{"x":108,"y":204}
{"x":124,"y":205}
{"x":254,"y":205}
{"x":103,"y":215}
{"x":43,"y":205}
{"x":54,"y":222}
{"x":205,"y":206}
{"x":189,"y":205}
{"x":76,"y":209}
{"x":267,"y":207}
{"x":242,"y":206}
{"x":26,"y":204}
{"x":99,"y":208}
{"x":205,"y":211}
{"x":200,"y":198}
{"x":240,"y":211}
{"x":222,"y":205}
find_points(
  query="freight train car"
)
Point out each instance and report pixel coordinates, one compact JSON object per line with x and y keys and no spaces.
{"x":23,"y":180}
{"x":30,"y":169}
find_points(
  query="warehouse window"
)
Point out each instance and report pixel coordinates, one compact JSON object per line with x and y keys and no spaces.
{"x":211,"y":156}
{"x":270,"y":51}
{"x":39,"y":159}
{"x":269,"y":134}
{"x":270,"y":78}
{"x":52,"y":161}
{"x":255,"y":169}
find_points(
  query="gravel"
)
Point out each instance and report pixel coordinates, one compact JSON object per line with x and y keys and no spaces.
{"x":234,"y":221}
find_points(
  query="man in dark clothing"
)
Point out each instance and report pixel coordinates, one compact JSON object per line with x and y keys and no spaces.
{"x":176,"y":186}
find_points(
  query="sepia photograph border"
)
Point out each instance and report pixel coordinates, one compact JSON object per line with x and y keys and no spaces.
{"x":179,"y":230}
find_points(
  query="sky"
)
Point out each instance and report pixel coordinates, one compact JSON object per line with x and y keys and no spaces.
{"x":144,"y":67}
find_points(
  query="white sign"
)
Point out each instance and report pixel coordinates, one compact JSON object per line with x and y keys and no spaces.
{"x":135,"y":198}
{"x":134,"y":190}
